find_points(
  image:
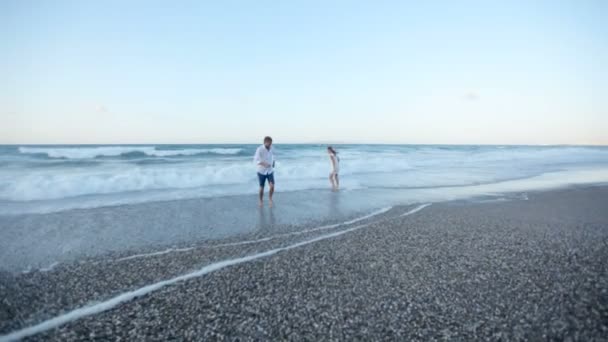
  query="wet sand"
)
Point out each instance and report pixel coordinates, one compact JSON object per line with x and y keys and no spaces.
{"x":534,"y":269}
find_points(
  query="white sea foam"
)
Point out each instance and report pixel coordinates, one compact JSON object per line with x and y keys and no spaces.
{"x":417,"y":209}
{"x":189,"y":152}
{"x":305,"y":231}
{"x":236,"y":177}
{"x":29,"y":268}
{"x":130,"y":295}
{"x":145,"y":255}
{"x":112,"y":151}
{"x":49,"y":267}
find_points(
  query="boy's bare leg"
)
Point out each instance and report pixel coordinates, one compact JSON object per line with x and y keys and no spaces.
{"x":261,"y":196}
{"x":270,"y":194}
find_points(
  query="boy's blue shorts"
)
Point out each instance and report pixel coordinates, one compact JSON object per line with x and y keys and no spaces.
{"x":262,"y":178}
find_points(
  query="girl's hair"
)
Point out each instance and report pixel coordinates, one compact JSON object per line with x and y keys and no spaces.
{"x":331,"y":149}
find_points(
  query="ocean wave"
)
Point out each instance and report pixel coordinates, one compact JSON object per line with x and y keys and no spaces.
{"x":116,"y":151}
{"x":91,"y":170}
{"x":47,"y":184}
{"x":196,"y":151}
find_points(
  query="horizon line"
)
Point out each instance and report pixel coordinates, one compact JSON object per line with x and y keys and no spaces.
{"x":299,"y":143}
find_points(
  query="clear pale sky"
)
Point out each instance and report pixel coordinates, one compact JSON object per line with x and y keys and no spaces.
{"x":489,"y":72}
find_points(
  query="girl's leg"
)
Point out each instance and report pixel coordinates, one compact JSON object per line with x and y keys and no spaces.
{"x":331,"y":180}
{"x":337,"y":180}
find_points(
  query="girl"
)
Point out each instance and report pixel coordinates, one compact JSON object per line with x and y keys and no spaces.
{"x":335,"y":167}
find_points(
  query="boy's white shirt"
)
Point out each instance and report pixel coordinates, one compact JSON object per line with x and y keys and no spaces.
{"x":266,"y":155}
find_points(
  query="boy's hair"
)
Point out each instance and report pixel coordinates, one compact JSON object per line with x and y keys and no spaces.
{"x":267,"y":139}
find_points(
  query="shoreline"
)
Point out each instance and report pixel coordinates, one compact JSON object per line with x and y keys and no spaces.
{"x":77,"y":234}
{"x":135,"y":273}
{"x":195,"y":197}
{"x":211,"y":242}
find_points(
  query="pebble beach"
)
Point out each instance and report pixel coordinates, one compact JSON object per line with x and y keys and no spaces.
{"x":534,"y":268}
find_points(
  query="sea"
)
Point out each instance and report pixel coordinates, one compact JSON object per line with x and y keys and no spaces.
{"x":64,"y":202}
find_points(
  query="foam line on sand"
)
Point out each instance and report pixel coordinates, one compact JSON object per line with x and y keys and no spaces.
{"x":248,"y":242}
{"x":415,"y":210}
{"x":144,"y":255}
{"x":130,"y":295}
{"x":330,"y":226}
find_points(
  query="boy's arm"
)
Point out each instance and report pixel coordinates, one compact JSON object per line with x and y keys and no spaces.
{"x":256,"y":156}
{"x":258,"y":159}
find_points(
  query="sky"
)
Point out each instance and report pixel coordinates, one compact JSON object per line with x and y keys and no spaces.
{"x":418,"y":72}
